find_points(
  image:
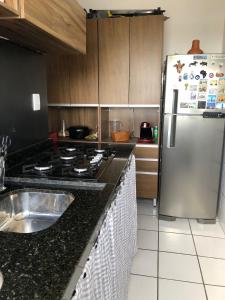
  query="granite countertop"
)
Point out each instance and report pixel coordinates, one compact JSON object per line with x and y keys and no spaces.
{"x":45,"y":265}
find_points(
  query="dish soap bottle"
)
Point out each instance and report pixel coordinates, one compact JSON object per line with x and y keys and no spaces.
{"x":156,"y":134}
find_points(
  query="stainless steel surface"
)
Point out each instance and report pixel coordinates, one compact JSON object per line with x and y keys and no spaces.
{"x":29,"y":210}
{"x":1,"y":280}
{"x":190,"y":171}
{"x":2,"y":173}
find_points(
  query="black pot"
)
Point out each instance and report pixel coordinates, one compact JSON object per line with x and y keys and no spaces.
{"x":78,"y":132}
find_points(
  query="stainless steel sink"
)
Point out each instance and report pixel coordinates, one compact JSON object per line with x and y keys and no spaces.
{"x":29,"y":210}
{"x":1,"y":280}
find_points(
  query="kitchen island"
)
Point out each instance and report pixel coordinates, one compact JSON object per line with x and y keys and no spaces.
{"x":48,"y":264}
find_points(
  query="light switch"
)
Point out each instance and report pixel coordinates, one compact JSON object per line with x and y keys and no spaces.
{"x":36,"y":102}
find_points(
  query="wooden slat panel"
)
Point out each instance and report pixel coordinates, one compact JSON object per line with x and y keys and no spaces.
{"x":146,"y":41}
{"x":64,"y":20}
{"x":147,"y":166}
{"x":147,"y":186}
{"x":84,"y":70}
{"x":113,"y":60}
{"x":146,"y":152}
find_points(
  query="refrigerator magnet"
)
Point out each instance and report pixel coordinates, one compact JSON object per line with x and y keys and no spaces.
{"x":213,"y":82}
{"x":211,"y":105}
{"x":193,"y":88}
{"x":201,"y":104}
{"x":204,"y":63}
{"x":212,"y":98}
{"x":220,"y":98}
{"x":203,"y":73}
{"x":211,"y":75}
{"x":202,"y":96}
{"x":197,"y":77}
{"x":179,"y":66}
{"x":194,"y":63}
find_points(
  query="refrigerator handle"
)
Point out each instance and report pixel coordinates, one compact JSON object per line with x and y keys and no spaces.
{"x":173,"y":122}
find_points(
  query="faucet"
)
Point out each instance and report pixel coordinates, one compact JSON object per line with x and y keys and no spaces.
{"x":5,"y":143}
{"x":2,"y":173}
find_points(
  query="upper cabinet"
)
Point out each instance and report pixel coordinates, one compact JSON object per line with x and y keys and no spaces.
{"x":9,"y":8}
{"x":73,"y":79}
{"x":122,"y":65}
{"x":146,"y":45}
{"x":84,"y":70}
{"x":52,"y":26}
{"x":113,"y":60}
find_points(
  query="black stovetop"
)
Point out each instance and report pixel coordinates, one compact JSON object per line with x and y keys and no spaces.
{"x":65,"y":161}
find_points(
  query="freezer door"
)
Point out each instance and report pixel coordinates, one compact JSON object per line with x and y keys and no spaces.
{"x":190,"y":166}
{"x":197,"y":82}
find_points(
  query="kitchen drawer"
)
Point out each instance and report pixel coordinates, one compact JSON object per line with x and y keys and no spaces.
{"x":147,"y":185}
{"x":144,"y":165}
{"x":146,"y":152}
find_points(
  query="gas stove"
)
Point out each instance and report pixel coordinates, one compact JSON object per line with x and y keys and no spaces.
{"x":64,"y":161}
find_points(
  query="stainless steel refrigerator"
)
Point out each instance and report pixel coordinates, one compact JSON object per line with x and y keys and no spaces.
{"x":192,"y":135}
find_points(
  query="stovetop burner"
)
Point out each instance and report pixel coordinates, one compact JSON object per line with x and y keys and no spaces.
{"x":43,"y":167}
{"x":80,"y":170}
{"x":72,"y":149}
{"x":67,"y":157}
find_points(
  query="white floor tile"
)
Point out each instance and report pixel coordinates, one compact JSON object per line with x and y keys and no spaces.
{"x":213,"y":230}
{"x":211,"y":247}
{"x":179,"y":267}
{"x":142,"y":288}
{"x":147,"y":222}
{"x":175,"y":242}
{"x":146,"y":207}
{"x":179,"y":226}
{"x":215,"y":292}
{"x":213,"y":270}
{"x":145,"y":263}
{"x":176,"y":290}
{"x":147,"y":239}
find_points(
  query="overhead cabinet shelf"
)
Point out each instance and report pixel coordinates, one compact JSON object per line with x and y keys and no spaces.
{"x":52,"y":26}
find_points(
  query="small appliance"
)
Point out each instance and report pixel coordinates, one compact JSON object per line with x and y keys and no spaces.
{"x":146,"y":133}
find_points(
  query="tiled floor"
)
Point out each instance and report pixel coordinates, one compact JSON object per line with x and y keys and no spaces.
{"x":181,"y":260}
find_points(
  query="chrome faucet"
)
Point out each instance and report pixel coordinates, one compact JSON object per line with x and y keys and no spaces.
{"x":5,"y":143}
{"x":2,"y":173}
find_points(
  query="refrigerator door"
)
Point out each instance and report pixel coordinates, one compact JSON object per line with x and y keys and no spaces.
{"x":190,"y":166}
{"x":195,"y":82}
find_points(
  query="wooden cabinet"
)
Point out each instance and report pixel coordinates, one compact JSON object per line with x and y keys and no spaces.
{"x":147,"y":171}
{"x":84,"y":70}
{"x":73,"y":79}
{"x":9,"y":8}
{"x":146,"y":45}
{"x":58,"y":80}
{"x":113,"y":60}
{"x":52,"y":26}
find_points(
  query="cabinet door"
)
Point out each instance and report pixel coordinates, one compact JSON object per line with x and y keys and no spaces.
{"x":146,"y":41}
{"x":58,"y":81}
{"x":84,"y":70}
{"x":63,"y":20}
{"x":113,"y":60}
{"x":9,"y":8}
{"x":147,"y":186}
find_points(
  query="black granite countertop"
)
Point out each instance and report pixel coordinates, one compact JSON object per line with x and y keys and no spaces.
{"x":42,"y":265}
{"x":47,"y":264}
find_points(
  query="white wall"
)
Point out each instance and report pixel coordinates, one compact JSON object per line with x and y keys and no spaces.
{"x":189,"y":19}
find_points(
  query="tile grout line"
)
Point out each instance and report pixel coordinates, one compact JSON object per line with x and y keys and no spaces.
{"x":198,"y":260}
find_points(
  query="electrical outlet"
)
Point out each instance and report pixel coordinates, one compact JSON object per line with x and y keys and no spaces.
{"x":36,"y":102}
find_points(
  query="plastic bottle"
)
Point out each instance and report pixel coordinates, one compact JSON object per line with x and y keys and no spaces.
{"x":156,"y":134}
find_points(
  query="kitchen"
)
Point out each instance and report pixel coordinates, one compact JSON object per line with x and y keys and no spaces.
{"x":173,"y":43}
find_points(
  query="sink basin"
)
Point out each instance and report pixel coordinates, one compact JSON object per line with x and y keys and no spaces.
{"x":1,"y":280}
{"x":29,"y":210}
